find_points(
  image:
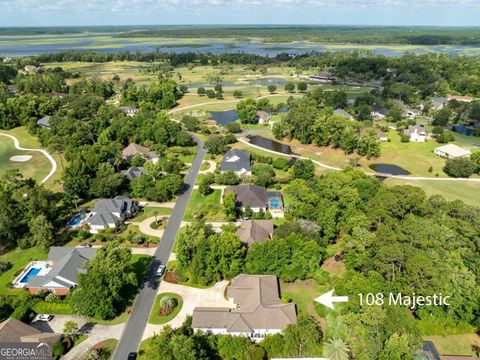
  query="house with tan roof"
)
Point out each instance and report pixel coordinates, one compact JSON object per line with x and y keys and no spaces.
{"x":134,"y":149}
{"x":13,"y":330}
{"x":252,"y":231}
{"x":259,"y":310}
{"x":452,"y":151}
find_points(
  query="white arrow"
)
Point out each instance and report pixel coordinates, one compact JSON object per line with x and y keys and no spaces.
{"x":328,"y":299}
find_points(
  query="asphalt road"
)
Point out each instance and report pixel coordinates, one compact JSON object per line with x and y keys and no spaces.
{"x":132,"y":334}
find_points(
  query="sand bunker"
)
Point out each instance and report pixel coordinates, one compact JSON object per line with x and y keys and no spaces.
{"x":20,"y":158}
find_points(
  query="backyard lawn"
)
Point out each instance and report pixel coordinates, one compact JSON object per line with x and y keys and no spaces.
{"x":209,"y":206}
{"x":302,"y":293}
{"x":155,"y":317}
{"x":19,"y":259}
{"x":456,"y":344}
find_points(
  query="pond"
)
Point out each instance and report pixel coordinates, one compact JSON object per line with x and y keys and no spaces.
{"x":270,"y":144}
{"x":389,"y":169}
{"x":467,"y":129}
{"x":224,"y":117}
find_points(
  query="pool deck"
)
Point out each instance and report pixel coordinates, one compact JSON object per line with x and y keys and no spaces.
{"x":42,"y":265}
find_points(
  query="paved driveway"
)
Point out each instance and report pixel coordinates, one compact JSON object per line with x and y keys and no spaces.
{"x":192,"y":298}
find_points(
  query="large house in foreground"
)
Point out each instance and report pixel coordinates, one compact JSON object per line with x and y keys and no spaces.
{"x":59,"y":274}
{"x":110,"y":213}
{"x":259,"y":310}
{"x":258,"y":199}
{"x":15,"y":331}
{"x":452,"y":151}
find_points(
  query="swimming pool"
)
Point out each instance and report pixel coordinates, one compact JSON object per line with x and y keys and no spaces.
{"x":76,"y":221}
{"x":273,"y":203}
{"x":32,"y":272}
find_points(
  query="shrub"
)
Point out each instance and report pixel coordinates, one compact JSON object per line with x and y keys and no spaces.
{"x":52,"y":297}
{"x":58,"y":349}
{"x":22,"y":312}
{"x":459,"y":168}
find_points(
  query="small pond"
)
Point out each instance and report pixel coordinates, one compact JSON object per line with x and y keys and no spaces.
{"x":270,"y":144}
{"x":389,"y":169}
{"x":467,"y":129}
{"x":224,"y":117}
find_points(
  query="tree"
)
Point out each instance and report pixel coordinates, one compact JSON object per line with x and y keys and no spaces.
{"x":442,"y":117}
{"x":234,"y":127}
{"x":263,"y":174}
{"x":237,"y":94}
{"x":210,"y":93}
{"x":42,"y":232}
{"x":247,"y":111}
{"x":272,"y":88}
{"x":204,"y":188}
{"x":336,"y":349}
{"x":228,"y":178}
{"x":229,"y":206}
{"x":168,"y":303}
{"x":106,"y":287}
{"x":302,"y":86}
{"x":303,"y":169}
{"x":475,"y":159}
{"x":70,"y":329}
{"x":290,"y":87}
{"x":201,"y":91}
{"x":106,"y":183}
{"x":459,"y":168}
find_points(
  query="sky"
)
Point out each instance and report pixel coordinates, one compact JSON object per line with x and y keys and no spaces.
{"x":170,"y":12}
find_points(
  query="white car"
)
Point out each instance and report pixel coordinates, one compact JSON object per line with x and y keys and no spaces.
{"x":44,"y":317}
{"x":161,"y":270}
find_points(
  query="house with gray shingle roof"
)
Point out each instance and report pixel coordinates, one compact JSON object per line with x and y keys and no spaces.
{"x":133,"y":172}
{"x":237,"y":161}
{"x":44,"y":122}
{"x":343,"y":113}
{"x":257,"y":310}
{"x":13,"y":330}
{"x":252,"y":196}
{"x":110,"y":213}
{"x":60,"y":273}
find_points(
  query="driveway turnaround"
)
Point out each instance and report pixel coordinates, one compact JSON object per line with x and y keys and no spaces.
{"x":132,"y":334}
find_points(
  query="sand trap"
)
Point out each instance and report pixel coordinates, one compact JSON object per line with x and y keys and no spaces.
{"x":20,"y":158}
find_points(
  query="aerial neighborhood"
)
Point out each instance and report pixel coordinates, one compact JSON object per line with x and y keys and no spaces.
{"x":256,"y":198}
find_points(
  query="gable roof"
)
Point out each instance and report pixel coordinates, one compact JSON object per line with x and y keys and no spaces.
{"x":105,"y":210}
{"x":454,"y":150}
{"x":263,"y":114}
{"x":343,"y":113}
{"x":44,"y":121}
{"x":133,"y":149}
{"x":67,"y":264}
{"x":236,"y":160}
{"x":133,"y":172}
{"x":13,"y":330}
{"x":418,"y":128}
{"x":258,"y":307}
{"x":252,"y":231}
{"x":249,"y":195}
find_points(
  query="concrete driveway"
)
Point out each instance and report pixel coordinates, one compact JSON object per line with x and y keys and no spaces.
{"x":192,"y":298}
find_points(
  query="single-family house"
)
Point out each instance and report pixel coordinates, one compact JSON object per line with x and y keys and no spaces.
{"x":44,"y":122}
{"x":252,"y":231}
{"x":130,"y":110}
{"x":110,"y":213}
{"x":7,"y":60}
{"x":411,"y":114}
{"x":351,"y":102}
{"x":342,"y":113}
{"x":379,"y":113}
{"x":237,"y":161}
{"x":452,"y":151}
{"x":263,"y":117}
{"x":133,"y":172}
{"x":16,"y":331}
{"x":439,"y":102}
{"x":381,"y":136}
{"x":252,"y":196}
{"x":31,"y":68}
{"x":417,"y":133}
{"x":257,"y":310}
{"x":59,"y":274}
{"x":134,"y":149}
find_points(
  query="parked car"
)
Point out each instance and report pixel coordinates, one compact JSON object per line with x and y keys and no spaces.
{"x":44,"y":317}
{"x":132,"y":356}
{"x":161,"y":270}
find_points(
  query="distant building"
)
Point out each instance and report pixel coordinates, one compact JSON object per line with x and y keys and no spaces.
{"x":237,"y":161}
{"x":258,"y":312}
{"x":110,"y":213}
{"x":133,"y":172}
{"x":134,"y":149}
{"x":130,"y":110}
{"x":16,"y":331}
{"x":452,"y":151}
{"x":439,"y":102}
{"x":252,"y":231}
{"x":263,"y":117}
{"x":59,"y":274}
{"x":343,"y":113}
{"x":7,"y":60}
{"x":323,"y":78}
{"x":417,"y":133}
{"x":31,"y":68}
{"x":44,"y":122}
{"x":379,"y":113}
{"x":381,"y":135}
{"x":411,"y":114}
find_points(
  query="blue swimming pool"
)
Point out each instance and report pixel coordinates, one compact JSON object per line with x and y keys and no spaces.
{"x":76,"y":220}
{"x":274,"y":203}
{"x":32,"y":272}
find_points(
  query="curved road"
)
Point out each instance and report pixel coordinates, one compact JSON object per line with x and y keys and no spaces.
{"x":133,"y":331}
{"x":44,"y":152}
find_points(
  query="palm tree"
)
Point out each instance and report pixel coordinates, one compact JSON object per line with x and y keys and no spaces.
{"x":336,"y":349}
{"x":167,"y":303}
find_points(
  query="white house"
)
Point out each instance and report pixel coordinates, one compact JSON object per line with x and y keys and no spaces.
{"x":110,"y":213}
{"x":257,"y":310}
{"x":452,"y":151}
{"x":417,"y":133}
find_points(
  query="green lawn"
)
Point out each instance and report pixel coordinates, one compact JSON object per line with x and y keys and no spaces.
{"x":456,"y":344}
{"x":81,"y":338}
{"x":302,"y":293}
{"x":155,"y":318}
{"x":150,"y":211}
{"x":61,"y":308}
{"x":19,"y":259}
{"x":209,"y":206}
